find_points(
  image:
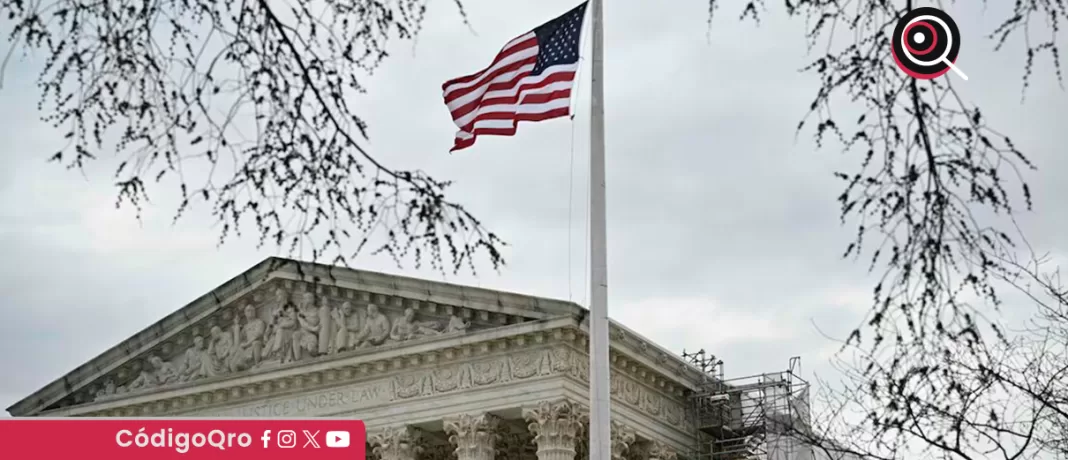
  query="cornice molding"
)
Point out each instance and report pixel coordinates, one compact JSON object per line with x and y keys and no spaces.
{"x":644,"y":352}
{"x":431,"y":291}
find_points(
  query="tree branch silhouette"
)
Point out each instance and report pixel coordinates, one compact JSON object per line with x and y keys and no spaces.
{"x":932,"y":369}
{"x":245,"y":107}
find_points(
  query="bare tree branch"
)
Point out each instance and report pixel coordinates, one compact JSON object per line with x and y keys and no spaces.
{"x":932,"y":370}
{"x":246,"y":107}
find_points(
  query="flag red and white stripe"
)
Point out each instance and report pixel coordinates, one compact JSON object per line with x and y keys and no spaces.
{"x":530,"y":79}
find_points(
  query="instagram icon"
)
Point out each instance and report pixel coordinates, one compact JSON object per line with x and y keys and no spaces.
{"x":287,"y":439}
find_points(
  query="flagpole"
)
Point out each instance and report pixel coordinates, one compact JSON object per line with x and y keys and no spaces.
{"x":600,"y":446}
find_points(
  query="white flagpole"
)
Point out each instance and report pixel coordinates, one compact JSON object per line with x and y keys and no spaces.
{"x":600,"y":412}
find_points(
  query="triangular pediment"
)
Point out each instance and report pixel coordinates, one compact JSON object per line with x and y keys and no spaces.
{"x":284,"y":313}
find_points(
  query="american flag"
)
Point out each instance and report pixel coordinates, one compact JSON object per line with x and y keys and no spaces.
{"x":529,"y":80}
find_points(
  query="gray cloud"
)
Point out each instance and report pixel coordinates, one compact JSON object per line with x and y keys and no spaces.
{"x":723,"y":230}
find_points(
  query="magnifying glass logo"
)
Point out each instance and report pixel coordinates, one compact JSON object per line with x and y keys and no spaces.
{"x":926,"y":43}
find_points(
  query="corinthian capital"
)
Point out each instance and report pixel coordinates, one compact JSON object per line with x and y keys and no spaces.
{"x":474,"y":435}
{"x":622,"y":438}
{"x":402,"y":443}
{"x":555,"y":426}
{"x":661,"y":451}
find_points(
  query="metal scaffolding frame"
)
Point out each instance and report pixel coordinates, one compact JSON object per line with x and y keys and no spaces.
{"x":749,"y":418}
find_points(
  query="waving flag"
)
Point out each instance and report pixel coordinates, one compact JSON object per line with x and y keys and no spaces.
{"x":529,"y":80}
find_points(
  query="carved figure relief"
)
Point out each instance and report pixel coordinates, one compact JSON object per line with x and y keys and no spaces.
{"x":346,"y":328}
{"x":279,"y":331}
{"x":326,"y":327}
{"x":108,"y":389}
{"x":199,"y":361}
{"x":222,"y":347}
{"x":166,"y":373}
{"x":250,"y":342}
{"x":279,"y":302}
{"x":457,"y":324}
{"x":407,"y":328}
{"x":306,"y":337}
{"x":376,"y":328}
{"x":159,"y":372}
{"x":283,"y":331}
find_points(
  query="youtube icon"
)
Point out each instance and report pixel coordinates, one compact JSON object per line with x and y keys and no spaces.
{"x":337,"y":439}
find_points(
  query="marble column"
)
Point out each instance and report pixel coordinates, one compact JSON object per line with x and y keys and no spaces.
{"x":401,"y":443}
{"x":661,"y":451}
{"x":555,"y":426}
{"x":474,"y":435}
{"x":622,"y":438}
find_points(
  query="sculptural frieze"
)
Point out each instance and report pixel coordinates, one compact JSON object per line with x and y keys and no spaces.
{"x":222,"y":348}
{"x":278,"y":302}
{"x":346,"y":328}
{"x":457,"y":324}
{"x":306,"y":337}
{"x":108,"y":389}
{"x":407,"y":327}
{"x":324,"y":397}
{"x":283,"y":328}
{"x":326,"y":327}
{"x":280,"y":328}
{"x":199,"y":361}
{"x":250,"y":339}
{"x":376,"y":328}
{"x":158,"y":372}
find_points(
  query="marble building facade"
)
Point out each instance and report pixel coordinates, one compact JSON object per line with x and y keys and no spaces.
{"x":436,"y":370}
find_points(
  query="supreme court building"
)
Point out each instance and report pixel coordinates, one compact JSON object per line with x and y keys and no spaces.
{"x":436,"y":370}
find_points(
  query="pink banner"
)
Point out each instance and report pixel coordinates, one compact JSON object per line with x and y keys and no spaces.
{"x":160,"y":439}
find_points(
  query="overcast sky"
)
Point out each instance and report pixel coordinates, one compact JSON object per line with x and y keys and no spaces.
{"x":723,"y":229}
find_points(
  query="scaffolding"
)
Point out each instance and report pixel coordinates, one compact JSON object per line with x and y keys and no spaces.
{"x":757,"y":417}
